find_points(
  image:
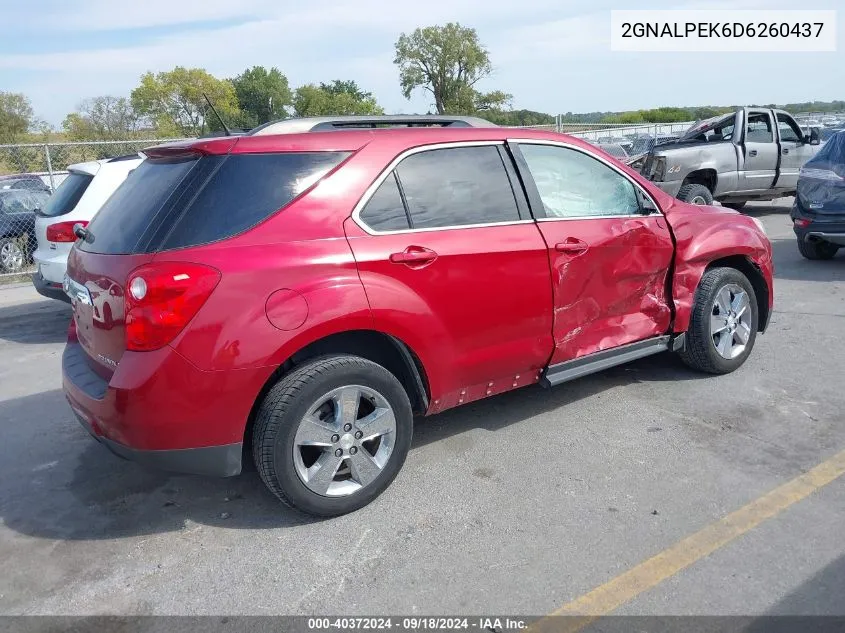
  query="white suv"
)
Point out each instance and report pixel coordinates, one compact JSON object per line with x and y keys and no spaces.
{"x":76,"y":200}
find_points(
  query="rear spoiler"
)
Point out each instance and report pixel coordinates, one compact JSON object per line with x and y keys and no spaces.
{"x":188,"y":149}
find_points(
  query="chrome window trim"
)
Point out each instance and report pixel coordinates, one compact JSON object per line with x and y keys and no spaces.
{"x":656,"y":212}
{"x":356,"y":212}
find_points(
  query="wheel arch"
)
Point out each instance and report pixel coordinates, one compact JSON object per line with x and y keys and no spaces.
{"x":707,"y":177}
{"x":754,"y":275}
{"x":388,"y":351}
{"x":686,"y":287}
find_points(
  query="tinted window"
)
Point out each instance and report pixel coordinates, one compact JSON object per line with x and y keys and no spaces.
{"x":246,"y":189}
{"x":67,"y":195}
{"x":760,"y":128}
{"x":128,"y":213}
{"x":787,"y":128}
{"x":458,"y":186}
{"x":573,"y":184}
{"x":385,"y":211}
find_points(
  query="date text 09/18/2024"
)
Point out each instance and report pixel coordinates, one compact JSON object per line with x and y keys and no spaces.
{"x":418,"y":623}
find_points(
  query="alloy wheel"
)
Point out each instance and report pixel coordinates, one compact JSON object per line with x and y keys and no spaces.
{"x":344,"y":441}
{"x":11,"y":256}
{"x":730,"y":321}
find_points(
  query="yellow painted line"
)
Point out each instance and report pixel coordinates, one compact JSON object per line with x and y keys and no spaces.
{"x":606,"y":598}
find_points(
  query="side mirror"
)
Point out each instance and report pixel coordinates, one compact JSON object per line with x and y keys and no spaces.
{"x":646,"y":206}
{"x":813,"y":137}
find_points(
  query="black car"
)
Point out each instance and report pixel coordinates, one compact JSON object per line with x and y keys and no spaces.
{"x":17,"y":226}
{"x":818,"y":214}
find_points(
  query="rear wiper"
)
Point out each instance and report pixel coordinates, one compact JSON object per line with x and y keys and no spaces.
{"x":82,"y":233}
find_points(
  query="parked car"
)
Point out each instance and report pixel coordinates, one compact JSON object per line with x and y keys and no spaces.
{"x":818,"y":213}
{"x":304,"y":294}
{"x":825,"y":134}
{"x":750,"y":154}
{"x":31,"y":182}
{"x":17,"y":226}
{"x":81,"y":194}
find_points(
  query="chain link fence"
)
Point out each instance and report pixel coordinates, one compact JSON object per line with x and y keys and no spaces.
{"x":29,"y":175}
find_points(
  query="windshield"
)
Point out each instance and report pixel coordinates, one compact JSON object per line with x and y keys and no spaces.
{"x":67,"y":195}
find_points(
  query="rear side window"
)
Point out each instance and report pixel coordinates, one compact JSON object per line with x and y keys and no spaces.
{"x":246,"y":189}
{"x":457,"y":186}
{"x":67,"y":195}
{"x":760,"y":128}
{"x":121,"y":222}
{"x":385,"y":211}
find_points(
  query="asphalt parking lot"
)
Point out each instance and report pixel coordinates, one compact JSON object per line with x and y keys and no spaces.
{"x":515,"y":505}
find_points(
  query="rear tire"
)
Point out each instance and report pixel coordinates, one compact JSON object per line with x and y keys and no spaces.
{"x":695,"y":194}
{"x":736,"y":206}
{"x":817,"y":249}
{"x":296,"y":457}
{"x":714,"y":339}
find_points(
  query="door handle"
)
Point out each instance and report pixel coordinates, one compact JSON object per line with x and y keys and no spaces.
{"x":571,"y":245}
{"x":414,"y":255}
{"x":785,"y":150}
{"x":752,"y":152}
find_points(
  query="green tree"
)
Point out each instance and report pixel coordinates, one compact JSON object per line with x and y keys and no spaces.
{"x":313,"y":100}
{"x":263,"y":95}
{"x":16,"y":116}
{"x":447,"y":62}
{"x":174,"y":101}
{"x":518,"y":117}
{"x":350,"y":87}
{"x":103,"y":118}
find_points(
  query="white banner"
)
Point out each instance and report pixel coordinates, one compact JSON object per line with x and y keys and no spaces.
{"x":723,"y":31}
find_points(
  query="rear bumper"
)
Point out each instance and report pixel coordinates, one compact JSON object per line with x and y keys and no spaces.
{"x":214,"y":461}
{"x":52,"y":264}
{"x":158,"y":409}
{"x":827,"y":228}
{"x":49,"y":289}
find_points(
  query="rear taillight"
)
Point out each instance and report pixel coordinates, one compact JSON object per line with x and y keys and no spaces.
{"x":162,"y":298}
{"x":63,"y":231}
{"x":802,"y":223}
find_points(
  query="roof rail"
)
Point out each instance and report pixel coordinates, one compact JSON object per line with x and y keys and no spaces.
{"x":328,"y":123}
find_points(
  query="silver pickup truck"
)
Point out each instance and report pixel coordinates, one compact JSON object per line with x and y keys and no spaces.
{"x":750,"y":154}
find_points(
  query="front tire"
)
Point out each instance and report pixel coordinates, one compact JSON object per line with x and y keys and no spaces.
{"x":723,"y":324}
{"x":332,"y":435}
{"x":12,"y":256}
{"x":695,"y":194}
{"x":817,"y":249}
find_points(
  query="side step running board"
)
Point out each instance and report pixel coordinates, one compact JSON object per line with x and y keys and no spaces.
{"x":572,"y":369}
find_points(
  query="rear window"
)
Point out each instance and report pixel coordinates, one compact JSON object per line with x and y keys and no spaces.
{"x":67,"y":195}
{"x":246,"y":189}
{"x":122,"y":221}
{"x":168,"y":204}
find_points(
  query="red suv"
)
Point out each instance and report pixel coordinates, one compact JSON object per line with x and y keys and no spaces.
{"x":305,"y":290}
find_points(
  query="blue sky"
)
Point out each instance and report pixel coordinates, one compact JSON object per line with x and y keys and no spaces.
{"x":552,"y":55}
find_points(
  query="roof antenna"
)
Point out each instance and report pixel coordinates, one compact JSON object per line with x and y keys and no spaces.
{"x":219,"y":118}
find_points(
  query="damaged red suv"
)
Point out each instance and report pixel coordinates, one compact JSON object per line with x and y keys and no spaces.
{"x":301,"y":292}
